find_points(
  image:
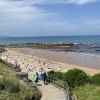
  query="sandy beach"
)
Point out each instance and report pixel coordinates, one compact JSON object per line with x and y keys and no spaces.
{"x":31,"y":62}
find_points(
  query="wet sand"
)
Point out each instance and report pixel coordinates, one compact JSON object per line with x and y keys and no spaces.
{"x":79,"y":59}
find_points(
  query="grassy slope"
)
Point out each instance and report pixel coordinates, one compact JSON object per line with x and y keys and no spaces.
{"x":11,"y":88}
{"x":87,"y":92}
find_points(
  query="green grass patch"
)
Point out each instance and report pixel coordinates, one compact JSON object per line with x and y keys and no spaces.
{"x":87,"y":92}
{"x":83,"y":86}
{"x":12,"y":88}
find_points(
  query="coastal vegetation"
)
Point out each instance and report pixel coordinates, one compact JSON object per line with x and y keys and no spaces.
{"x":12,"y":88}
{"x":87,"y":92}
{"x":81,"y":85}
{"x":95,"y":79}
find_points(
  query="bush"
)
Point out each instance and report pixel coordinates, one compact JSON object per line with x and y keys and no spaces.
{"x":2,"y":86}
{"x":58,"y":75}
{"x":95,"y":79}
{"x":30,"y":94}
{"x":10,"y":84}
{"x":51,"y":72}
{"x":76,"y":77}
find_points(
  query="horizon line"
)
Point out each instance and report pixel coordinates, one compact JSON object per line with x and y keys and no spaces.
{"x":51,"y":35}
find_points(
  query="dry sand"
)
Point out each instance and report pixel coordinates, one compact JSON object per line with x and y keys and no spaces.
{"x":31,"y":62}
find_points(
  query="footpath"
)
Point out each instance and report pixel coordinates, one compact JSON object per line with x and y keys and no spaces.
{"x":50,"y":92}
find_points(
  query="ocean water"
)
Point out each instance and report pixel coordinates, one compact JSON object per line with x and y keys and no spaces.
{"x":88,"y":44}
{"x":94,"y":39}
{"x":87,"y":55}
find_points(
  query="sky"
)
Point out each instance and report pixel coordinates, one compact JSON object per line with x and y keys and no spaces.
{"x":49,"y":17}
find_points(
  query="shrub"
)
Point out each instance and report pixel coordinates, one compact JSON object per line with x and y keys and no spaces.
{"x":2,"y":86}
{"x":10,"y":84}
{"x":51,"y":72}
{"x":76,"y":77}
{"x":95,"y":79}
{"x":30,"y":94}
{"x":59,"y":75}
{"x":54,"y":74}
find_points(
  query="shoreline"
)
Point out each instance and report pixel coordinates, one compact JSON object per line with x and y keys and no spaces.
{"x":73,"y":58}
{"x":56,"y":65}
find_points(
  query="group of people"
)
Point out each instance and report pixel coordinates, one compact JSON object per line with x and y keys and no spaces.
{"x":41,"y":75}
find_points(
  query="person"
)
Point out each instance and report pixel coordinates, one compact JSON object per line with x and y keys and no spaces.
{"x":43,"y":76}
{"x":35,"y":78}
{"x":37,"y":75}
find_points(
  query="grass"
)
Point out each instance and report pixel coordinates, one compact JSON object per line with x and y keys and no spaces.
{"x":87,"y":92}
{"x":12,"y":88}
{"x":80,"y":84}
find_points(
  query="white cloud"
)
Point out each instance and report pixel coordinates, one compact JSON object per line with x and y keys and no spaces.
{"x":78,"y":2}
{"x":81,"y":2}
{"x":23,"y":17}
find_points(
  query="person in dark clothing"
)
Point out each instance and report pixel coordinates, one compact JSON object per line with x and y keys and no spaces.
{"x":44,"y":77}
{"x":37,"y":76}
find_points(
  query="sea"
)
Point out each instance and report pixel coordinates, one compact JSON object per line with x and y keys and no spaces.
{"x":88,"y":53}
{"x":87,"y":43}
{"x":88,"y":39}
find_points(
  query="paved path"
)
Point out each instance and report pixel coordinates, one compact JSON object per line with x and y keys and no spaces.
{"x":50,"y":92}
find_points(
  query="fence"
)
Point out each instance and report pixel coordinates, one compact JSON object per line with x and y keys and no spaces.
{"x":63,"y":85}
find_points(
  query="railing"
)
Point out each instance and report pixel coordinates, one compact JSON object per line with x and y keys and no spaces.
{"x":63,"y":85}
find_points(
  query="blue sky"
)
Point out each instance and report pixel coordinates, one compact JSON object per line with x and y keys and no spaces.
{"x":49,"y":17}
